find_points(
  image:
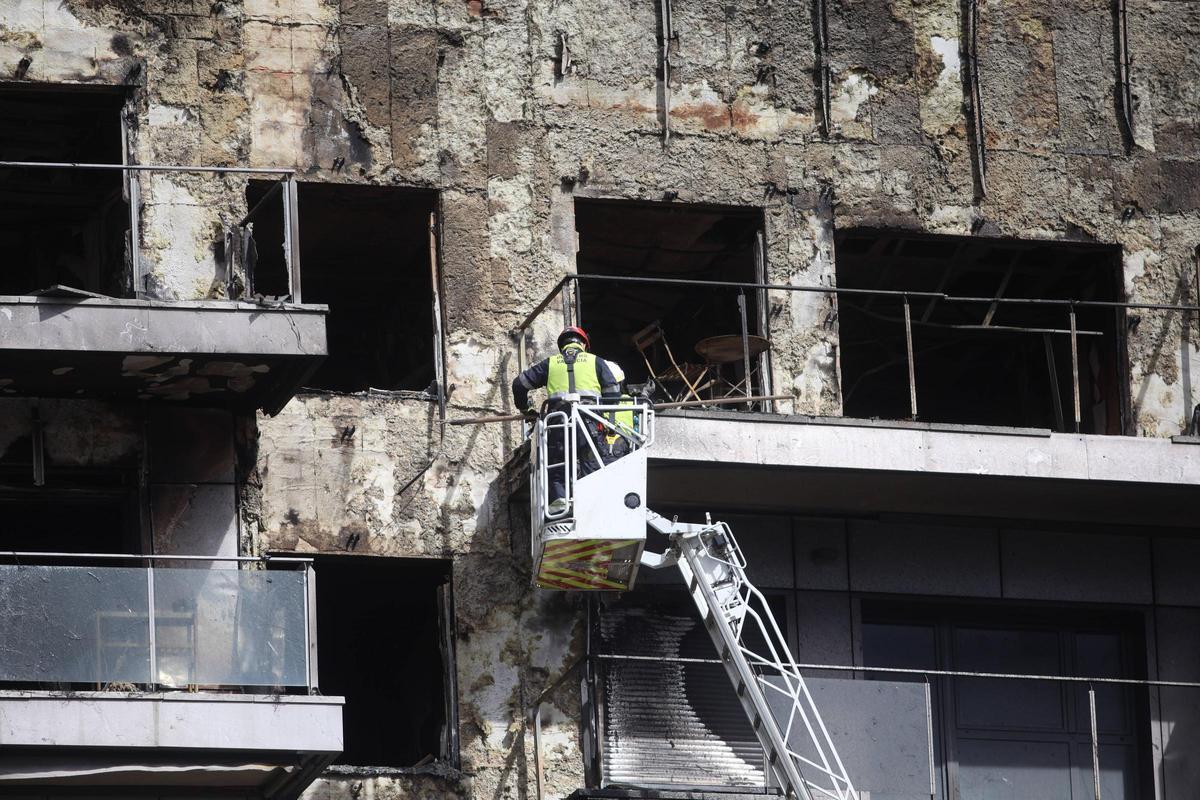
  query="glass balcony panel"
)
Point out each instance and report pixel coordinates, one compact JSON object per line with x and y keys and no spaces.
{"x":230,"y":627}
{"x":996,"y":769}
{"x":880,"y":730}
{"x":74,"y":624}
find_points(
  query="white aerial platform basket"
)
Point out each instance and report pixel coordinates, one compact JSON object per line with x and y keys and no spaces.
{"x":594,"y":539}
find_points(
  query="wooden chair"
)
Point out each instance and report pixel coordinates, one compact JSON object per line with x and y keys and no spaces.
{"x":691,"y":375}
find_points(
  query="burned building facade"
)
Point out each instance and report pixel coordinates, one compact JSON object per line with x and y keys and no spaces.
{"x":287,"y":240}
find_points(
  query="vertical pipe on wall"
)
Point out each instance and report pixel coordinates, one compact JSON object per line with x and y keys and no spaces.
{"x":1124,"y":90}
{"x":970,"y":13}
{"x":667,"y":33}
{"x":820,"y":25}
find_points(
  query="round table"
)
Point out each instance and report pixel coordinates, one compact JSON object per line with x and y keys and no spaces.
{"x":727,"y":349}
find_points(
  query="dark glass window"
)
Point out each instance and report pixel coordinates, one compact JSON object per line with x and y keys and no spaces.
{"x":1007,"y":739}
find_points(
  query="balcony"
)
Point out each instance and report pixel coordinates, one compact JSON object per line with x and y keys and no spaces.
{"x":874,"y":466}
{"x":232,"y":354}
{"x":735,"y":441}
{"x":150,"y":679}
{"x":98,"y":320}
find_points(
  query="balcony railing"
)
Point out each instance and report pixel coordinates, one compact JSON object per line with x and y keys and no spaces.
{"x":565,"y":298}
{"x":93,"y":621}
{"x":238,"y":243}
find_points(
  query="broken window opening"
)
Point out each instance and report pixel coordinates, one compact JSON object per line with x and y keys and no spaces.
{"x":979,"y":363}
{"x":62,"y":227}
{"x":668,"y":240}
{"x":365,"y":251}
{"x":380,"y":645}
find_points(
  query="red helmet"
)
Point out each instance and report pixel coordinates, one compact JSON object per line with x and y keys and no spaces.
{"x":573,"y":334}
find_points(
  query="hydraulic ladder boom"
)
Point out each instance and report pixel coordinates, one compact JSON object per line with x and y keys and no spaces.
{"x":799,"y":750}
{"x":589,"y":534}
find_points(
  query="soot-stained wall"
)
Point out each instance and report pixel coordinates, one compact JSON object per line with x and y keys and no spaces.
{"x":512,"y":109}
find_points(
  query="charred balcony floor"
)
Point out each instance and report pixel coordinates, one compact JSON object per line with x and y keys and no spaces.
{"x":223,"y":353}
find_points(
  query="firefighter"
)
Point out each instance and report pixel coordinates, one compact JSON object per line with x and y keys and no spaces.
{"x":616,"y":444}
{"x":574,"y":374}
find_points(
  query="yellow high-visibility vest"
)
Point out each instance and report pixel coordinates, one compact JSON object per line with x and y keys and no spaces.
{"x":573,"y":371}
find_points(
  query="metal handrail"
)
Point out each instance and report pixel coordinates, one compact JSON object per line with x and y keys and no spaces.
{"x":926,"y":674}
{"x":839,"y":290}
{"x":150,"y":167}
{"x":19,"y":554}
{"x":571,"y":309}
{"x":949,"y":673}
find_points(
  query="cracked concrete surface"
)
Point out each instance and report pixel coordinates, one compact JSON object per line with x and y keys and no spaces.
{"x":472,"y":98}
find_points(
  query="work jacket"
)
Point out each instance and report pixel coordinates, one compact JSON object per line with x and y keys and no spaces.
{"x":574,"y":371}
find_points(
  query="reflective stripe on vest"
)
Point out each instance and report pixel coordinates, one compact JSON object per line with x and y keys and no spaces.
{"x":579,"y":376}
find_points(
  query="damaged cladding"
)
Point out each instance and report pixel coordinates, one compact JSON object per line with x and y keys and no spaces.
{"x":433,"y":170}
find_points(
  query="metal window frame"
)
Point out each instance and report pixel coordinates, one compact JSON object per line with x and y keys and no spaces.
{"x":436,"y":247}
{"x":450,"y":745}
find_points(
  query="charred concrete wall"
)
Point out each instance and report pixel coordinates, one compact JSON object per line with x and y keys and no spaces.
{"x":513,"y":108}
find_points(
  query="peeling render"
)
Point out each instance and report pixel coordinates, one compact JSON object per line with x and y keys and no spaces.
{"x":476,"y":100}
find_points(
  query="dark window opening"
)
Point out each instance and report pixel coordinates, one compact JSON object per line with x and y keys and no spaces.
{"x":665,"y":240}
{"x":1032,"y":737}
{"x":380,"y":634}
{"x":975,"y":363}
{"x":62,"y":227}
{"x":75,"y":511}
{"x":61,"y":523}
{"x":365,"y":252}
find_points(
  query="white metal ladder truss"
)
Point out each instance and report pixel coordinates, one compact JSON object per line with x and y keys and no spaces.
{"x":733,"y":610}
{"x":751,"y":645}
